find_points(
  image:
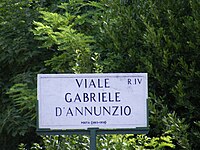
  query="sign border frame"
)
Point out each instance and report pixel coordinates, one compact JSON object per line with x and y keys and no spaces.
{"x":48,"y":131}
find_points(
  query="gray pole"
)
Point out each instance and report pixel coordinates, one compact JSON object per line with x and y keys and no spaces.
{"x":93,"y":138}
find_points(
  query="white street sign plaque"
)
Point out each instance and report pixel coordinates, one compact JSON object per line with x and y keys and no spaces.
{"x":82,"y":101}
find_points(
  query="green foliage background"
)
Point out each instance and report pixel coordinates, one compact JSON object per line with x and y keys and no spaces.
{"x":76,"y":36}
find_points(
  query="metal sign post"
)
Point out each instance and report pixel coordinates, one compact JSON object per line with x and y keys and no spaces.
{"x":93,"y":138}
